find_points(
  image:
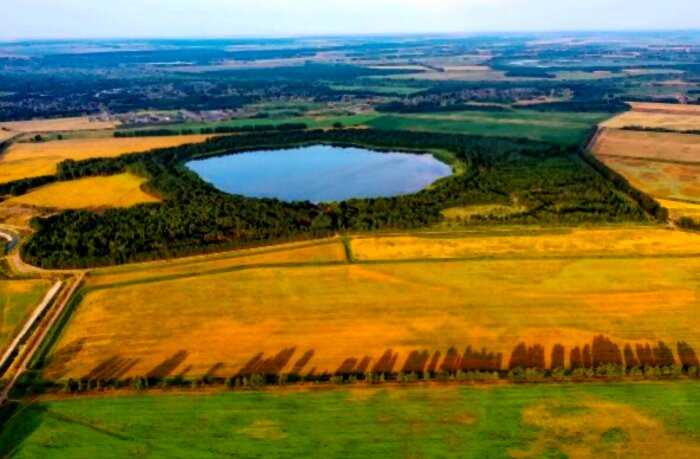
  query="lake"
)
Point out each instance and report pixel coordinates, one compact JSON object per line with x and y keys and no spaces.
{"x":320,"y":173}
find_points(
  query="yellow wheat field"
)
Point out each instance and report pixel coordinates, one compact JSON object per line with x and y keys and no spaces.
{"x":679,"y":209}
{"x":322,"y":252}
{"x":31,"y":159}
{"x":121,"y":190}
{"x":648,"y":145}
{"x":531,"y":243}
{"x":652,"y":115}
{"x":215,"y":322}
{"x":82,"y":123}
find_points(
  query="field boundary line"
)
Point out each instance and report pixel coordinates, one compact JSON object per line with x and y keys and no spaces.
{"x":651,"y":160}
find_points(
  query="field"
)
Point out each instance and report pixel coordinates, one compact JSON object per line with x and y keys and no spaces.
{"x":665,"y":165}
{"x":564,"y":128}
{"x":17,"y":298}
{"x":32,"y":159}
{"x":652,"y":115}
{"x":82,"y":123}
{"x":668,"y":147}
{"x":647,"y":420}
{"x":215,"y":322}
{"x":121,"y":190}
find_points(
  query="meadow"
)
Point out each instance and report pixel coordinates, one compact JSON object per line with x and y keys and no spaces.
{"x":121,"y":190}
{"x":33,"y":159}
{"x":17,"y":299}
{"x":641,"y":420}
{"x":216,"y":322}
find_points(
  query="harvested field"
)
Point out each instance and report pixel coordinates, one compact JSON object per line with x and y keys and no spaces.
{"x":652,"y":115}
{"x":32,"y":159}
{"x":82,"y":123}
{"x":537,"y":243}
{"x":17,"y":299}
{"x":679,"y":209}
{"x":122,"y":190}
{"x":311,"y":252}
{"x":660,"y":180}
{"x":218,"y":323}
{"x":522,"y":421}
{"x":4,"y":135}
{"x":648,"y":145}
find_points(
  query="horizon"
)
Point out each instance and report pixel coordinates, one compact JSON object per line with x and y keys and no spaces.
{"x":73,"y":20}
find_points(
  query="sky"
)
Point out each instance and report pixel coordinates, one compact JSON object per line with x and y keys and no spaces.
{"x":35,"y":19}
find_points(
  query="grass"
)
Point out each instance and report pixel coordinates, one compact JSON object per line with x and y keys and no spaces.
{"x":563,"y":128}
{"x":634,"y":287}
{"x":32,"y":159}
{"x":17,"y":299}
{"x":593,"y":420}
{"x":121,"y":190}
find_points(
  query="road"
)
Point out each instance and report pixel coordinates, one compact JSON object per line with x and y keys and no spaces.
{"x":34,"y":343}
{"x":10,"y":238}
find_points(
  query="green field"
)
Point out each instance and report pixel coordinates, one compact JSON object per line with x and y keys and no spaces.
{"x":17,"y":298}
{"x":311,"y":122}
{"x":592,"y":420}
{"x":556,"y":127}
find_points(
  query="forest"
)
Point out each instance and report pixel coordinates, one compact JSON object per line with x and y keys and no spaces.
{"x":553,"y":185}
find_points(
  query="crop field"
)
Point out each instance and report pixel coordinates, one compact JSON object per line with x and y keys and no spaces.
{"x":121,"y":190}
{"x":17,"y":298}
{"x":662,"y":164}
{"x":652,"y":115}
{"x":661,"y":180}
{"x":32,"y":159}
{"x":564,"y":128}
{"x":82,"y":123}
{"x":669,"y":147}
{"x":168,"y":321}
{"x":642,"y":420}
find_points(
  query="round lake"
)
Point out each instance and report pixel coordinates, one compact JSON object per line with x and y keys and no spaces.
{"x":320,"y":173}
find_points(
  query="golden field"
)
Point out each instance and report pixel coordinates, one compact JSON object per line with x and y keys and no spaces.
{"x":32,"y":159}
{"x":81,"y":123}
{"x":215,"y":322}
{"x":317,"y":252}
{"x":121,"y":190}
{"x":648,"y":145}
{"x":596,"y":242}
{"x":679,"y":209}
{"x":4,"y":135}
{"x":653,"y":115}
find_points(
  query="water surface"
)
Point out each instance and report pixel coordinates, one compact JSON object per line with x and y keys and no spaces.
{"x":320,"y":173}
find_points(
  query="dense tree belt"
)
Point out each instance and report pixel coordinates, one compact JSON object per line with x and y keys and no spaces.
{"x":211,"y":130}
{"x":554,"y":184}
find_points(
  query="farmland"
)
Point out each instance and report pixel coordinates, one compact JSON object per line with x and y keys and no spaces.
{"x":653,"y":115}
{"x":17,"y":298}
{"x":82,"y":123}
{"x":121,"y":190}
{"x":664,"y":164}
{"x":563,"y":128}
{"x":32,"y":159}
{"x":217,"y":321}
{"x":645,"y":420}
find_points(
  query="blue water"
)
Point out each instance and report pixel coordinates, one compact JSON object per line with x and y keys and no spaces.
{"x":320,"y":173}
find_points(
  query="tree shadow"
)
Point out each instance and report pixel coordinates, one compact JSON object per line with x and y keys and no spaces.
{"x":166,"y":367}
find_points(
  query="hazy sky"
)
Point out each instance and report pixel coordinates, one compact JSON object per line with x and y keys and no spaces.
{"x":222,"y":18}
